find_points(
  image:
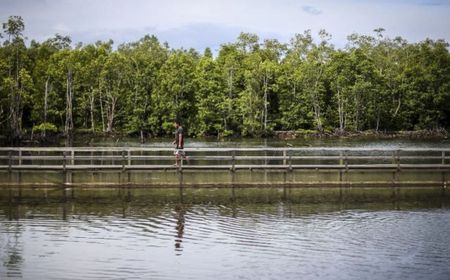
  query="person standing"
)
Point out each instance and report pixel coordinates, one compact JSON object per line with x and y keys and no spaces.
{"x":179,"y":142}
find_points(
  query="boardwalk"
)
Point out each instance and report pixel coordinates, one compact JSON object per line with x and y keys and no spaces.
{"x":141,"y":167}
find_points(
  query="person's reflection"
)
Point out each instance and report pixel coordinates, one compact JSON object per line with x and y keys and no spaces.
{"x":12,"y":250}
{"x":180,"y":212}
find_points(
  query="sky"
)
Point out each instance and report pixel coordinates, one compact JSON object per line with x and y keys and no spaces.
{"x":210,"y":23}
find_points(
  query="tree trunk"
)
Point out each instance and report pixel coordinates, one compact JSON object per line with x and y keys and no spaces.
{"x":20,"y":109}
{"x":316,"y":103}
{"x":378,"y":120}
{"x":357,"y":111}
{"x":14,"y":108}
{"x":111,"y":112}
{"x":18,"y":101}
{"x":230,"y":96}
{"x":399,"y":102}
{"x":265,"y":102}
{"x":69,"y":96}
{"x":13,"y":114}
{"x":101,"y":112}
{"x":45,"y":102}
{"x":91,"y":109}
{"x":340,"y":111}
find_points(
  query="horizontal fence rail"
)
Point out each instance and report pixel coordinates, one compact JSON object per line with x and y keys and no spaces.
{"x":223,"y":167}
{"x":142,"y":158}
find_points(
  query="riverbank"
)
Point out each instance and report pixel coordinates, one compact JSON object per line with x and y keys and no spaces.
{"x":84,"y":138}
{"x":416,"y":134}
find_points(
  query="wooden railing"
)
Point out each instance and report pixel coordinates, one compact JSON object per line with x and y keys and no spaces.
{"x":142,"y":158}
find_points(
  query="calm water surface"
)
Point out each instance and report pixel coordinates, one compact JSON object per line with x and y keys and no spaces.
{"x":361,"y":142}
{"x":225,"y":234}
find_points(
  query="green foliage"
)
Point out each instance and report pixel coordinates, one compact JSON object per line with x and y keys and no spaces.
{"x":250,"y":87}
{"x":45,"y":127}
{"x":174,"y":97}
{"x":301,"y":131}
{"x":211,"y":102}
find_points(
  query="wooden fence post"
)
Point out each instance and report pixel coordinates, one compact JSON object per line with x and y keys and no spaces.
{"x":9,"y":160}
{"x":233,"y":158}
{"x":64,"y":160}
{"x":345,"y":161}
{"x":398,"y":160}
{"x":123,"y":160}
{"x":345,"y":179}
{"x":290,"y":159}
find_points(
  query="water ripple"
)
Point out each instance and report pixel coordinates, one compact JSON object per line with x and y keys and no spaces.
{"x":204,"y":241}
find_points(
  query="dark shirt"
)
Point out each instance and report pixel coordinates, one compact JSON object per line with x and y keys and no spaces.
{"x":179,"y":132}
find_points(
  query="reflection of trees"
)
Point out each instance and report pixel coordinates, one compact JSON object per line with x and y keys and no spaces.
{"x":180,"y":211}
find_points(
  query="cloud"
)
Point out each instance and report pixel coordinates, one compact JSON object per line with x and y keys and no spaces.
{"x":201,"y":23}
{"x":200,"y":35}
{"x":311,"y":10}
{"x":431,"y":2}
{"x":434,"y":3}
{"x":197,"y":35}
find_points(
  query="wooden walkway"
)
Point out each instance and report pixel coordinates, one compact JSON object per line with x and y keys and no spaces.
{"x":341,"y":160}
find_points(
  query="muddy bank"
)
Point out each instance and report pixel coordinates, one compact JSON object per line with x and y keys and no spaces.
{"x":418,"y":134}
{"x":89,"y":138}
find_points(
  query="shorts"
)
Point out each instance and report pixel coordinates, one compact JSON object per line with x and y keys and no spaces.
{"x":179,"y":153}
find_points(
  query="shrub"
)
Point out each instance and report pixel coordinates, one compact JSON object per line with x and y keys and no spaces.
{"x":47,"y":127}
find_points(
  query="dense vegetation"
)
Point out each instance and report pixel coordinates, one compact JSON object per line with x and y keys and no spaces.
{"x":249,"y":88}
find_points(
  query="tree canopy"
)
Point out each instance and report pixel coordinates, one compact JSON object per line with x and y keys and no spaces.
{"x":251,"y":87}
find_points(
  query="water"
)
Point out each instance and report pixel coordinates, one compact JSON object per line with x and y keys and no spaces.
{"x":361,"y":142}
{"x":225,"y":234}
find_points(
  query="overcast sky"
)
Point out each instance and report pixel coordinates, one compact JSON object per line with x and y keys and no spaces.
{"x":209,"y":23}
